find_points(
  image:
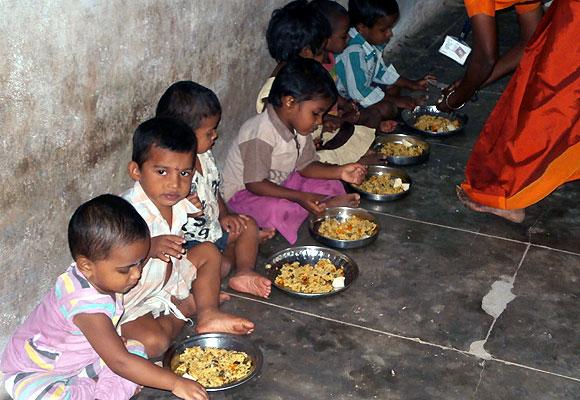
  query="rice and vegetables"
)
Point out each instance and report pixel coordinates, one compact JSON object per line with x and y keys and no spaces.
{"x":353,"y":228}
{"x":212,"y":367}
{"x":322,"y":277}
{"x":403,"y":149}
{"x":384,"y":184}
{"x":436,"y":124}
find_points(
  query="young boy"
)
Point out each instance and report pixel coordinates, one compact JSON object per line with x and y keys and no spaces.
{"x":236,"y":235}
{"x":272,"y":171}
{"x":362,"y":72}
{"x":174,"y":284}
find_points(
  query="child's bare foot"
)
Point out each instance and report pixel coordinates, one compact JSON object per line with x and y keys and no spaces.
{"x":371,"y":158}
{"x":187,"y":306}
{"x":251,"y":282}
{"x":344,"y":200}
{"x":215,"y":320}
{"x":516,"y":215}
{"x":265,"y":234}
{"x":387,"y":126}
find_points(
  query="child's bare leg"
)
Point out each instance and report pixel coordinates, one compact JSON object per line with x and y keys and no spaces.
{"x":156,"y":334}
{"x":243,"y":251}
{"x":516,"y":215}
{"x":206,"y":290}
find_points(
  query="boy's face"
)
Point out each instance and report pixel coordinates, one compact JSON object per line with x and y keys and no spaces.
{"x":165,"y":177}
{"x":305,"y":116}
{"x":339,"y":38}
{"x":120,"y":270}
{"x":206,"y":134}
{"x":380,"y":32}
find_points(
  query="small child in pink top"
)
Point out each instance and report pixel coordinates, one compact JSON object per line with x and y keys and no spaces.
{"x":68,"y":347}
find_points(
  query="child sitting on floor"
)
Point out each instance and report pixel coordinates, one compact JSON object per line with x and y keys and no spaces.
{"x":236,"y":236}
{"x":68,"y":347}
{"x":175,"y":284}
{"x":362,"y":72}
{"x":348,"y":110}
{"x":271,"y":170}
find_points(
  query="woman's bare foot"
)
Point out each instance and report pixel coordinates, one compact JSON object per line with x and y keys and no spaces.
{"x":388,"y":126}
{"x":344,"y":200}
{"x":251,"y":282}
{"x":215,"y":320}
{"x":516,"y":215}
{"x":265,"y":234}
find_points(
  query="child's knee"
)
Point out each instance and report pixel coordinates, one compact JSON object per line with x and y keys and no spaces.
{"x":156,"y":344}
{"x":206,"y":251}
{"x":252,"y":226}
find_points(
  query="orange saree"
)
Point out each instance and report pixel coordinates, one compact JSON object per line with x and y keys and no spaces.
{"x":530,"y":143}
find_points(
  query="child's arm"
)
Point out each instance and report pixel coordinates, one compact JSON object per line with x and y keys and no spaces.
{"x":415,"y":84}
{"x":310,"y":201}
{"x":231,"y":223}
{"x":102,"y":336}
{"x":352,"y":173}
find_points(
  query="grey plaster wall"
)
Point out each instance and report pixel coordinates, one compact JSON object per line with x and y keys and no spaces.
{"x":77,"y":77}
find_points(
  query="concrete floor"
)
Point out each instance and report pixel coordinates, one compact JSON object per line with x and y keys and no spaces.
{"x":405,"y":328}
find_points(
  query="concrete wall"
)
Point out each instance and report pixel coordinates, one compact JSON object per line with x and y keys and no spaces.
{"x":77,"y":77}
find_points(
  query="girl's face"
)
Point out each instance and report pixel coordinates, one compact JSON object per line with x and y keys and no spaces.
{"x":306,"y":116}
{"x":206,"y":134}
{"x":381,"y":32}
{"x":339,"y":38}
{"x":120,"y":271}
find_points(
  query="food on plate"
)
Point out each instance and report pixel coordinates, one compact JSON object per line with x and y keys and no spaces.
{"x":384,"y":184}
{"x":403,"y":149}
{"x":309,"y":278}
{"x":353,"y":228}
{"x":212,"y":367}
{"x":436,"y":124}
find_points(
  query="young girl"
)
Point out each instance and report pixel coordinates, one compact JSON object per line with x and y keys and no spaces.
{"x":272,"y":172}
{"x":68,"y":348}
{"x":237,"y":236}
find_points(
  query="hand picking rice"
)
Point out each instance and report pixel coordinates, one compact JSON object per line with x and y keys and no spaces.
{"x":212,"y":367}
{"x":307,"y":278}
{"x":353,"y":228}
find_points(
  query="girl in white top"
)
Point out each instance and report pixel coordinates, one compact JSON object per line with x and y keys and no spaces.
{"x":237,"y":236}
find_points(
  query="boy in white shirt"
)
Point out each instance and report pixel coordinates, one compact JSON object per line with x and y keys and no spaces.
{"x":236,"y":235}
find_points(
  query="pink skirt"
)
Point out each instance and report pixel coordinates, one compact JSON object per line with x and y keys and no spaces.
{"x":284,"y":215}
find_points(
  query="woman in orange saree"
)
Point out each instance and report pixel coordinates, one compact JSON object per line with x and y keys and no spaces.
{"x":530,"y":144}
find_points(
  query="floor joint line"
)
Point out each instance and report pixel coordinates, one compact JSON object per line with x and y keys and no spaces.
{"x":397,"y":336}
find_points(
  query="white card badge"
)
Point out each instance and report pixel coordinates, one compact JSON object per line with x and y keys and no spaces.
{"x":455,"y":49}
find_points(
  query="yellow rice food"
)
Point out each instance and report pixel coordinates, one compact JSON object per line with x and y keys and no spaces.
{"x":307,"y":278}
{"x":212,"y":367}
{"x":433,"y":123}
{"x":353,"y":228}
{"x":401,"y":150}
{"x":383,"y":184}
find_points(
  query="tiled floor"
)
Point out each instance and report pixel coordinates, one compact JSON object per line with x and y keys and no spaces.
{"x":405,"y":328}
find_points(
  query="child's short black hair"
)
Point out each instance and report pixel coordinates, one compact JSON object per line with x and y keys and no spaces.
{"x":332,"y":10}
{"x":164,"y":132}
{"x":296,"y":26}
{"x":189,"y":102}
{"x":304,"y":79}
{"x":103,"y":223}
{"x":367,"y":12}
